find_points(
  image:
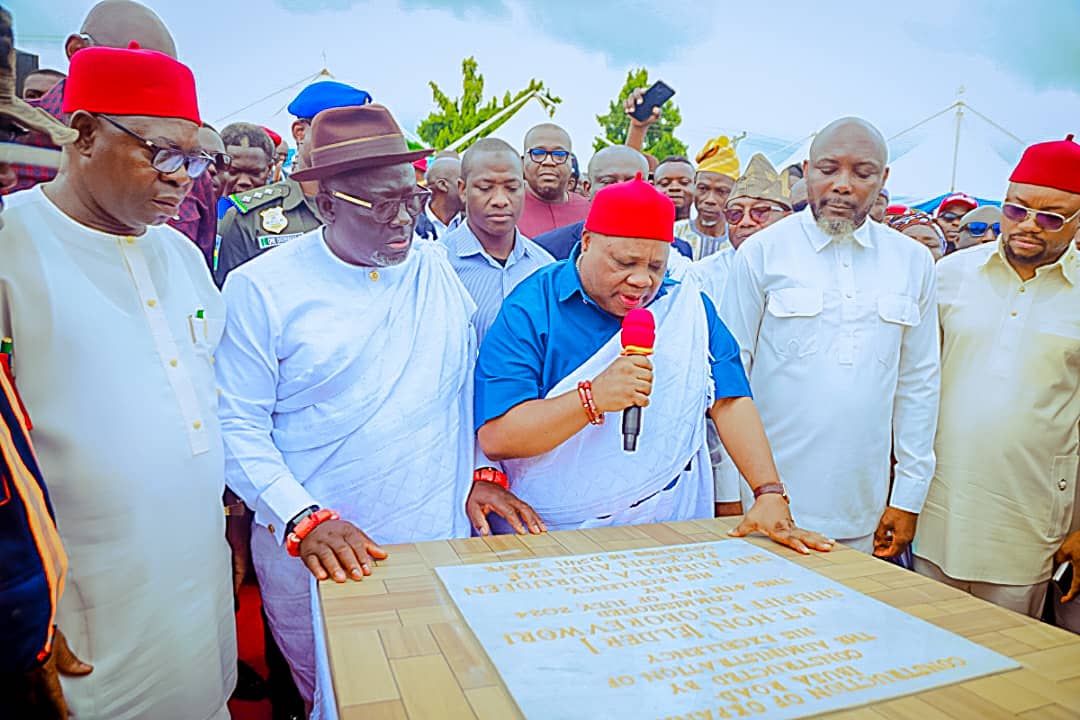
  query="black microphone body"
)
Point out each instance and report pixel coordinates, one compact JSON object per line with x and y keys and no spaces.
{"x":631,"y":427}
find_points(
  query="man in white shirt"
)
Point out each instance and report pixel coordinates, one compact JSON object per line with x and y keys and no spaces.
{"x":837,"y":322}
{"x":346,"y":371}
{"x":1001,"y":501}
{"x":443,"y":210}
{"x":115,"y":321}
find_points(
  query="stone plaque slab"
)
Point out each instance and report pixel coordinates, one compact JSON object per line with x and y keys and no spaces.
{"x":710,"y":630}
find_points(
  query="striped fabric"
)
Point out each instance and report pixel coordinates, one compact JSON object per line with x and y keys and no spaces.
{"x":32,"y":559}
{"x":488,"y":280}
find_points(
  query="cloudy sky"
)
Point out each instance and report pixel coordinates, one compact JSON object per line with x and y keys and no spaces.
{"x":777,"y":68}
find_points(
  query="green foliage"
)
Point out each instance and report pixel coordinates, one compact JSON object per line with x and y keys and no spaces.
{"x":660,"y":140}
{"x":456,"y":117}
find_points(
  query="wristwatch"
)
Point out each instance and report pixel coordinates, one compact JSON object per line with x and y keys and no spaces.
{"x":298,"y":517}
{"x":490,"y":474}
{"x":772,"y":488}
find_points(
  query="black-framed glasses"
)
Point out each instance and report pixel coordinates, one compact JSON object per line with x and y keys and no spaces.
{"x":222,"y":161}
{"x":10,"y":131}
{"x":559,"y":157}
{"x":758,"y":213}
{"x":1050,"y":221}
{"x":385,"y":211}
{"x":950,"y":216}
{"x":168,"y":160}
{"x":978,"y":229}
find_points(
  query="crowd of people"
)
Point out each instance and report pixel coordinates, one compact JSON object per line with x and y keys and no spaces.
{"x":223,"y":354}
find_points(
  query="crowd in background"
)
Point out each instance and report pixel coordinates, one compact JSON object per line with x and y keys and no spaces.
{"x":230,"y":359}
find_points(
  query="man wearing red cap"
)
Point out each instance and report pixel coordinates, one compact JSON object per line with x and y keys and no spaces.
{"x":999,"y":505}
{"x":950,"y":214}
{"x":346,"y":370}
{"x":115,"y":320}
{"x":116,"y":23}
{"x":550,"y":373}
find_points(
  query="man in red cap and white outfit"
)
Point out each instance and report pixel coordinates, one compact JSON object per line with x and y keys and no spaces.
{"x":551,"y":369}
{"x":115,"y":320}
{"x":1003,"y":494}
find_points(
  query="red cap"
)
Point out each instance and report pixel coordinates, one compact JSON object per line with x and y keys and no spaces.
{"x":1051,"y":164}
{"x":638,"y":330}
{"x":957,"y":199}
{"x":420,"y":164}
{"x":633,"y":209}
{"x":130,"y":81}
{"x":274,"y":137}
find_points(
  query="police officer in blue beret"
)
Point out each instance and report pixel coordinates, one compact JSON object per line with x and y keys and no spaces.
{"x":266,"y":217}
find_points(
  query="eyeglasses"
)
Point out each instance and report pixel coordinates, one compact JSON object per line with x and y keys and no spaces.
{"x":168,"y":160}
{"x":386,"y":210}
{"x":222,"y":161}
{"x":800,"y":206}
{"x":10,"y":132}
{"x":559,"y":157}
{"x":758,"y":213}
{"x":978,"y":229}
{"x":950,"y":216}
{"x":1050,"y":221}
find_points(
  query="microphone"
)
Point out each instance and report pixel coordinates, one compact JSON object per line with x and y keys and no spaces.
{"x":638,"y":337}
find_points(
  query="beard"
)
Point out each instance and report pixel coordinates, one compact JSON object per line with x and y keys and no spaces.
{"x":836,"y":227}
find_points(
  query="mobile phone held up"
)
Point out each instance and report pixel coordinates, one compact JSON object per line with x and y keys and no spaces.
{"x":655,"y":96}
{"x":1063,"y":577}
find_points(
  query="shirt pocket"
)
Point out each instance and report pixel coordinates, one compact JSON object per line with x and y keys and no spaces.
{"x":897,"y":313}
{"x":792,"y":321}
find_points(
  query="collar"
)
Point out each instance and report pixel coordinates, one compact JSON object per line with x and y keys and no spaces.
{"x":1068,"y":263}
{"x":439,"y":224}
{"x":818,"y":239}
{"x":568,"y":281}
{"x":468,"y":245}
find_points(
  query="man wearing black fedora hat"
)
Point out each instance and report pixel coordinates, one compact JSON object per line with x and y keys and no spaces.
{"x":346,"y":376}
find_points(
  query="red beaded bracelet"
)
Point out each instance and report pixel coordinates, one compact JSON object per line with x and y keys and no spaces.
{"x":584,"y":391}
{"x":493,"y":475}
{"x":304,"y":528}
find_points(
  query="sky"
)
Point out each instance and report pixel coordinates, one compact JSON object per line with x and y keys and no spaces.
{"x":779,"y":69}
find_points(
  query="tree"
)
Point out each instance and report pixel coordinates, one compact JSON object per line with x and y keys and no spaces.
{"x":660,"y":140}
{"x":456,"y":117}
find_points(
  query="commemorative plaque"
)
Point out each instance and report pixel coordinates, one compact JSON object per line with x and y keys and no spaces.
{"x":710,"y":630}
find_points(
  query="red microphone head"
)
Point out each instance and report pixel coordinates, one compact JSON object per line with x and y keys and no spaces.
{"x":638,"y":331}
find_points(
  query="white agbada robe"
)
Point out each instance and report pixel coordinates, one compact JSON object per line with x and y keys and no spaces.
{"x":590,"y":481}
{"x":116,"y":376}
{"x":349,"y":388}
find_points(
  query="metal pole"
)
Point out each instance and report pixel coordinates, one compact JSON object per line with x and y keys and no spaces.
{"x":956,"y":144}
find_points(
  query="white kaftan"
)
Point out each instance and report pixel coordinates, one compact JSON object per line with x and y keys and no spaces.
{"x":114,"y":369}
{"x":349,"y":388}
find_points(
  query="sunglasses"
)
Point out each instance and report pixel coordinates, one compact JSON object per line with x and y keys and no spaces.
{"x":950,"y":216}
{"x":758,"y":213}
{"x":978,"y":229}
{"x":222,"y":161}
{"x":559,"y":157}
{"x":168,"y":160}
{"x":385,"y":211}
{"x":800,"y":206}
{"x":1050,"y":221}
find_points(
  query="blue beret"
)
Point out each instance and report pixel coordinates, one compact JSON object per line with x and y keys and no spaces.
{"x":320,"y":96}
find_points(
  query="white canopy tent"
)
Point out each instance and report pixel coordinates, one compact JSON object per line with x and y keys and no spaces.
{"x":956,"y":149}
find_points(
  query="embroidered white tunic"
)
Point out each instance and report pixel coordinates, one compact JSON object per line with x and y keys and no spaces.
{"x":114,"y":366}
{"x":349,"y":388}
